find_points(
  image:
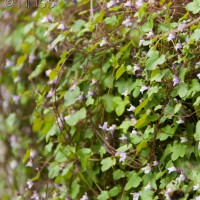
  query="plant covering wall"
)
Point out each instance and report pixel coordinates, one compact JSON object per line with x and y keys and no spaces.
{"x":100,"y":100}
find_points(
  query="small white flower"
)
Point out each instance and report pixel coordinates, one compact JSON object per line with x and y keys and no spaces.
{"x":33,"y":153}
{"x":104,"y":127}
{"x":35,"y":196}
{"x":178,"y":46}
{"x":80,"y":97}
{"x":197,"y":198}
{"x":66,"y":117}
{"x":50,"y":93}
{"x":48,"y":18}
{"x":90,"y":93}
{"x":122,"y":156}
{"x":146,"y":169}
{"x":136,"y":68}
{"x":134,"y":132}
{"x":30,"y":184}
{"x":132,"y":108}
{"x":199,"y":146}
{"x":151,"y":33}
{"x":183,"y":139}
{"x":111,"y":3}
{"x":171,"y":37}
{"x":198,"y":75}
{"x":180,"y":178}
{"x":123,"y":137}
{"x":136,"y":195}
{"x":30,"y":163}
{"x":31,"y":58}
{"x":139,"y":3}
{"x":127,"y":22}
{"x":125,"y":93}
{"x":111,"y":129}
{"x":16,"y":99}
{"x":196,"y":187}
{"x":47,"y":72}
{"x":8,"y":63}
{"x":128,"y":4}
{"x":155,"y":163}
{"x":147,"y":187}
{"x":171,"y":169}
{"x":143,"y":88}
{"x":73,"y":86}
{"x":62,"y":27}
{"x":13,"y":164}
{"x":176,"y":80}
{"x":103,"y":42}
{"x":84,"y":197}
{"x":180,"y":121}
{"x":141,"y":42}
{"x":93,"y":82}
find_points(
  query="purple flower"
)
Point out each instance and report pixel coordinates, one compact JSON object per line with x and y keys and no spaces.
{"x":143,"y":88}
{"x":139,"y":3}
{"x":178,"y":46}
{"x":123,"y":137}
{"x":132,"y":108}
{"x":62,"y":27}
{"x":111,"y":129}
{"x":151,"y":33}
{"x":171,"y":169}
{"x":127,"y":22}
{"x":171,"y":37}
{"x":104,"y":127}
{"x":176,"y":80}
{"x":111,"y":3}
{"x":128,"y":4}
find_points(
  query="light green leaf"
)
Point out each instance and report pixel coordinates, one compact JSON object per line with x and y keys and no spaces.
{"x":194,"y":6}
{"x":103,"y":196}
{"x":154,"y":60}
{"x":143,"y":144}
{"x":76,"y":117}
{"x":133,"y":181}
{"x":115,"y":191}
{"x":118,"y":174}
{"x":182,"y":90}
{"x":178,"y":150}
{"x":197,"y":132}
{"x":120,"y":71}
{"x":107,"y":163}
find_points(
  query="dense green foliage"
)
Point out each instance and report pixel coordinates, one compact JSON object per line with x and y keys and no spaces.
{"x":100,"y":100}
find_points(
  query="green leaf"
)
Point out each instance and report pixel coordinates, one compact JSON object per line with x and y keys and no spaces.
{"x":143,"y":121}
{"x":118,"y":174}
{"x":166,"y":132}
{"x":124,"y":148}
{"x":154,"y":60}
{"x":120,"y":71}
{"x":98,"y":17}
{"x":142,"y":105}
{"x":103,"y":196}
{"x":26,"y":156}
{"x":102,"y":151}
{"x":133,"y":181}
{"x":107,"y":163}
{"x":76,"y":117}
{"x":115,"y":191}
{"x":177,"y":107}
{"x":38,"y":70}
{"x":196,"y":34}
{"x":178,"y":150}
{"x":71,"y":95}
{"x":143,"y":144}
{"x":194,"y":6}
{"x":182,"y":90}
{"x":36,"y":177}
{"x":197,"y":132}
